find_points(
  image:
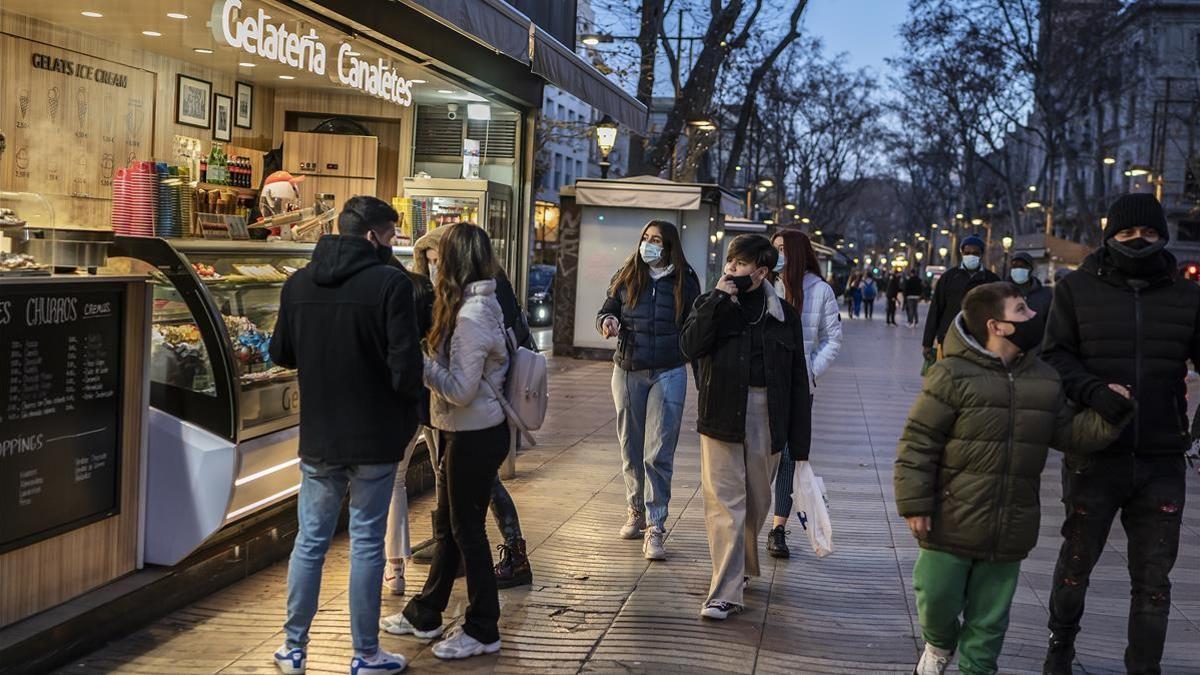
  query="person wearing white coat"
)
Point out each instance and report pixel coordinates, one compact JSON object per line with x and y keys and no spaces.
{"x":798,"y":281}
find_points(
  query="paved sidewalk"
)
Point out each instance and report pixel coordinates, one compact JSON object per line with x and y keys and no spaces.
{"x":597,"y":606}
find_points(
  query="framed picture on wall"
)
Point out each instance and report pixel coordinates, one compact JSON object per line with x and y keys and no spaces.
{"x":193,"y":102}
{"x":243,"y":105}
{"x":222,"y":117}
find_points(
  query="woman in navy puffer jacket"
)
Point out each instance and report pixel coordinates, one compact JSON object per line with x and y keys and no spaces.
{"x":648,"y":300}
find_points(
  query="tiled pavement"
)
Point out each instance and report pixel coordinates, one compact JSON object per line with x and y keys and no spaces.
{"x":597,"y":606}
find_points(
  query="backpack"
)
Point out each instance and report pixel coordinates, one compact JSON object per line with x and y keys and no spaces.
{"x":526,"y":388}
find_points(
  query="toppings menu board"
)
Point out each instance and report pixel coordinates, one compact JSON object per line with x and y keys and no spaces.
{"x":60,"y":409}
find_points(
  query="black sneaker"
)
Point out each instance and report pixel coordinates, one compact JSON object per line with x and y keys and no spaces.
{"x":777,"y":543}
{"x":1060,"y":654}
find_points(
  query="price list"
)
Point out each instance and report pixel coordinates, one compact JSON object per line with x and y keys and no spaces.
{"x":59,"y":410}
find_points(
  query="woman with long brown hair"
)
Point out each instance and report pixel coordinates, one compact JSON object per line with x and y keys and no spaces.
{"x":466,"y":360}
{"x":648,"y":301}
{"x":799,"y":282}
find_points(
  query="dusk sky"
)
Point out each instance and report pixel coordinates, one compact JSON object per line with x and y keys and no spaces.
{"x":864,"y":29}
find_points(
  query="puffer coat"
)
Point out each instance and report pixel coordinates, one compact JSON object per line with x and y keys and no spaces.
{"x":973,"y":449}
{"x":649,"y":335}
{"x":822,"y":324}
{"x":477,"y":356}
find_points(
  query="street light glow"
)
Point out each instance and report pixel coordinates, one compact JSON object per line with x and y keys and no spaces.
{"x":1007,"y":242}
{"x":806,"y":220}
{"x":977,"y":221}
{"x":790,"y":207}
{"x":1110,"y":160}
{"x":1035,"y":204}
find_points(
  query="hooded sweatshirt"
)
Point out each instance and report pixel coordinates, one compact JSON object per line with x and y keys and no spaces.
{"x":347,"y":323}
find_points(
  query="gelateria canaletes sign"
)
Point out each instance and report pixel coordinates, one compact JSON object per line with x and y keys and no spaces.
{"x":255,"y":34}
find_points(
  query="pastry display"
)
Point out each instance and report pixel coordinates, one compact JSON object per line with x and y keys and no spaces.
{"x":206,"y":272}
{"x":177,"y":355}
{"x":8,"y":218}
{"x":20,"y":263}
{"x":260,"y":272}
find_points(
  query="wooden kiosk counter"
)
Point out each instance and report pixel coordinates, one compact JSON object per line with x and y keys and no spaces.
{"x":73,"y":399}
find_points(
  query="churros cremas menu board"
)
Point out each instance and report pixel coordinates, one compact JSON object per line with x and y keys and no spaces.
{"x":60,"y":409}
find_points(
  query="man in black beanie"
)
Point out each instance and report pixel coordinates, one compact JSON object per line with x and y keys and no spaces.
{"x":951,"y":288}
{"x":1125,"y":320}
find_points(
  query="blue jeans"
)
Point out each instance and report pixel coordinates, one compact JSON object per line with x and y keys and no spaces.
{"x":322,"y":489}
{"x":649,"y":412}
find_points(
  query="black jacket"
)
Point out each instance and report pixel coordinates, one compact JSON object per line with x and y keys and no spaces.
{"x":893,"y":287}
{"x":347,"y":322}
{"x":1101,"y":331}
{"x":649,"y":336}
{"x":718,"y":338}
{"x":1037,"y":296}
{"x":947,"y":300}
{"x":914,"y":287}
{"x":423,"y":305}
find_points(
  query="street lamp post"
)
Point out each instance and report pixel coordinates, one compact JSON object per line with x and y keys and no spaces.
{"x":606,"y":138}
{"x":1007,"y":242}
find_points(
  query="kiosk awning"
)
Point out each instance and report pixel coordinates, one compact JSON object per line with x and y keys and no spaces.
{"x":498,"y":26}
{"x":641,"y":192}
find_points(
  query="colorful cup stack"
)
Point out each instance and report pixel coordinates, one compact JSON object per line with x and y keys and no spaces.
{"x":134,"y":200}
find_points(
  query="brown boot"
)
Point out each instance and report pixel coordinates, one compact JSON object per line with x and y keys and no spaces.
{"x":513,"y":569}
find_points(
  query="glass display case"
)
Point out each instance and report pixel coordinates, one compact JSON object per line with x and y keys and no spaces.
{"x":432,"y":202}
{"x":215,"y":305}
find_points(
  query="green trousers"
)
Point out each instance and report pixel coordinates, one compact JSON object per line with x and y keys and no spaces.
{"x":948,"y":586}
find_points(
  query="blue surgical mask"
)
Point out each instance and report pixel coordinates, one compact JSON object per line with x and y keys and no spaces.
{"x":651,"y":252}
{"x":1020,"y":275}
{"x":971,"y":262}
{"x":779,"y":264}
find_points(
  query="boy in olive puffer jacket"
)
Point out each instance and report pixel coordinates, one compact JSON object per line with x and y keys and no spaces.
{"x":968,"y":471}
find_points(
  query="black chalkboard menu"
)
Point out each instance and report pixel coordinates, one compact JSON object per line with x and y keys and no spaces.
{"x":60,"y":408}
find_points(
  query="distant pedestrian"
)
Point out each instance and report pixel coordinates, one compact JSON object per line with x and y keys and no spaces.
{"x":914,"y":290}
{"x":799,"y":284}
{"x":951,"y":288}
{"x":754,"y":403}
{"x":1125,"y":317}
{"x":648,"y":302}
{"x":967,"y":473}
{"x":1037,"y":296}
{"x":848,"y":293}
{"x":895,"y":283}
{"x":347,"y":323}
{"x":465,"y":365}
{"x":870,"y":291}
{"x":856,"y":295}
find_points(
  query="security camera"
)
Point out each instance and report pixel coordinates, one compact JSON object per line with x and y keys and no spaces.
{"x":451,"y":111}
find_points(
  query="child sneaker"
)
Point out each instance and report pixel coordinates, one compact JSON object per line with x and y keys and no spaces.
{"x":719,"y":610}
{"x":459,"y":645}
{"x":291,"y":660}
{"x":398,"y":624}
{"x":379,"y":663}
{"x":934,"y":661}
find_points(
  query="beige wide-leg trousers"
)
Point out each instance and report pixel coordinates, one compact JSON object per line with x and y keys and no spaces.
{"x":737,"y":499}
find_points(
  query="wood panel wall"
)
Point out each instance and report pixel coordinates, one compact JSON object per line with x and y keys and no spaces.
{"x":58,"y":569}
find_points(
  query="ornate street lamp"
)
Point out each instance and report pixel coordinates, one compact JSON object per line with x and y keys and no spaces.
{"x":606,"y":138}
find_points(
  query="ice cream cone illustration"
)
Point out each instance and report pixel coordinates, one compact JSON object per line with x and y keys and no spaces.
{"x":24,"y":99}
{"x":81,"y":107}
{"x":134,"y":118}
{"x":110,"y":117}
{"x":52,"y":103}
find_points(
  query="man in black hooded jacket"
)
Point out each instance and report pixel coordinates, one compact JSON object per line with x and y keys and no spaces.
{"x":1126,"y":318}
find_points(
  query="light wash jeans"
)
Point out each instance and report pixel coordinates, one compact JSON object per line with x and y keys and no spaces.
{"x":321,"y":491}
{"x":649,"y":412}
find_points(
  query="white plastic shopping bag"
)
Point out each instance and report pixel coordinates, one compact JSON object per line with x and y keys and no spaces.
{"x":812,"y":508}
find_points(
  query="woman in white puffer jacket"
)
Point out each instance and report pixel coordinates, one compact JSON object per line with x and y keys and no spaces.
{"x":799,"y":282}
{"x":465,"y":365}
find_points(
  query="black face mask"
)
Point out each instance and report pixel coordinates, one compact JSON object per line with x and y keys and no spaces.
{"x":1027,"y":334}
{"x":1137,"y":256}
{"x":743,"y":283}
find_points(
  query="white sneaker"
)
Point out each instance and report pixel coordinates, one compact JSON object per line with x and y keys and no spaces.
{"x":393,"y":578}
{"x":634,"y":525}
{"x":291,"y":661}
{"x":719,"y":610}
{"x":652,"y":546}
{"x":934,"y":661}
{"x":381,"y":663}
{"x":397,"y":624}
{"x":459,"y":645}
